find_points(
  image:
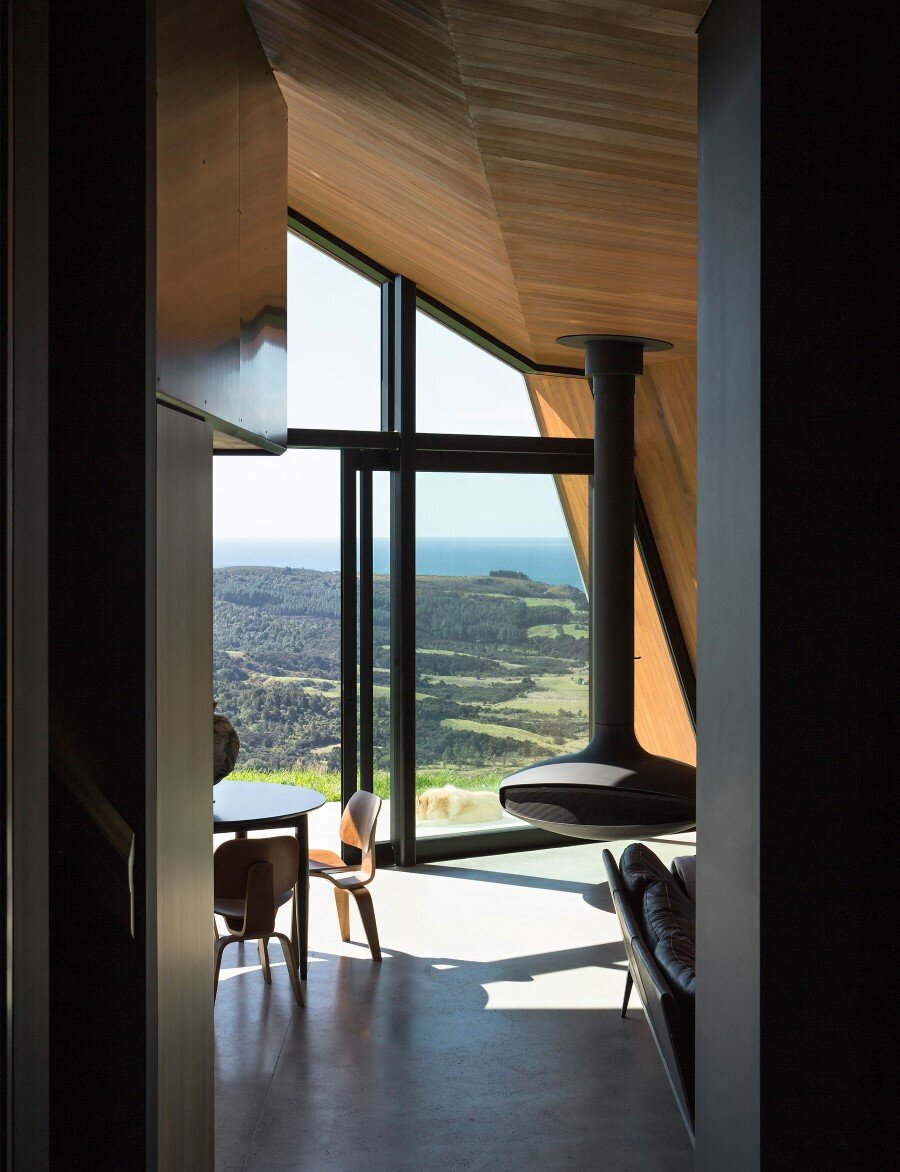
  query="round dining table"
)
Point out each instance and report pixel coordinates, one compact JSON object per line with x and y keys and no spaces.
{"x":241,"y":806}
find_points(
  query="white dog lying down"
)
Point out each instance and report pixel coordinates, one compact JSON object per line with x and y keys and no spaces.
{"x":450,"y":804}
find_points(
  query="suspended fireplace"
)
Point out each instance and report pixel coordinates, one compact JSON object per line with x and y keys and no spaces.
{"x":613,"y":788}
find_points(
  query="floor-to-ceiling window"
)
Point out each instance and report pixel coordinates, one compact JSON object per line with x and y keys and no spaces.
{"x":398,"y":603}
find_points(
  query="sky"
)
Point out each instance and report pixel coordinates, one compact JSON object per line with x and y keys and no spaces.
{"x":334,"y":376}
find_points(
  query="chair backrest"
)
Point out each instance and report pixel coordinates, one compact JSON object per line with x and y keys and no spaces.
{"x":358,"y":824}
{"x":233,"y":860}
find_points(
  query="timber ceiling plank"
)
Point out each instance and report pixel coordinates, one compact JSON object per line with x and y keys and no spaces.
{"x":585,"y":116}
{"x":381,"y":150}
{"x":529,"y":162}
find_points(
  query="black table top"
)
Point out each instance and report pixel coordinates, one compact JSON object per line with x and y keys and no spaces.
{"x":259,"y":805}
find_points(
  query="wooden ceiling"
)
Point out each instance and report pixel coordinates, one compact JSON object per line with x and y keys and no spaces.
{"x":529,"y":162}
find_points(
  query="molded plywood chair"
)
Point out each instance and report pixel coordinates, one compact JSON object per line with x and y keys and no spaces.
{"x":252,"y":878}
{"x":358,"y":830}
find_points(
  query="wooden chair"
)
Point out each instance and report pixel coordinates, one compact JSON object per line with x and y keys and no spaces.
{"x":358,"y":830}
{"x":252,"y":879}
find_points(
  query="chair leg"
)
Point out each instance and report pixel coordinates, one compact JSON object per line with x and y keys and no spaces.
{"x":629,"y":981}
{"x":288,"y":950}
{"x":342,"y":903}
{"x":219,"y":945}
{"x":262,"y":945}
{"x":367,"y":915}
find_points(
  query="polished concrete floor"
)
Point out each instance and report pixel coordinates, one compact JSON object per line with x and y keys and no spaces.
{"x":489,"y":1037}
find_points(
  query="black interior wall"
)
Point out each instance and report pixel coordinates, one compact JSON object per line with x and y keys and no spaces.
{"x":24,"y":944}
{"x":793,"y":790}
{"x":102,"y":560}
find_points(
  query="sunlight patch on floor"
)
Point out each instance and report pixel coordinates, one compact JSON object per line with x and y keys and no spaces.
{"x":226,"y":974}
{"x":590,"y":987}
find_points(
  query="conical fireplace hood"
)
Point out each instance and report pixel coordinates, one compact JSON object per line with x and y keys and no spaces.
{"x":613,"y":788}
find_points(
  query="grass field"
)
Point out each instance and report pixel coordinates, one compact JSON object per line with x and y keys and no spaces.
{"x":492,"y":692}
{"x":496,"y":730}
{"x":550,"y":630}
{"x":329,"y":784}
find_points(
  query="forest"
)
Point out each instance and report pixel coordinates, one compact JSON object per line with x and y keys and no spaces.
{"x":501,"y":669}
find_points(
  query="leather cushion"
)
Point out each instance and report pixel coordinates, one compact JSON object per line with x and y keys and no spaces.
{"x":666,"y":910}
{"x":639,"y":867}
{"x":684,"y":868}
{"x":675,"y":955}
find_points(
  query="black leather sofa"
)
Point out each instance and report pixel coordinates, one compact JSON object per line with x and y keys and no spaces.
{"x":656,"y":914}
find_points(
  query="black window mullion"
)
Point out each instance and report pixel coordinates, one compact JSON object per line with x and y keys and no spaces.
{"x":400,"y":416}
{"x":366,"y":635}
{"x":348,"y":627}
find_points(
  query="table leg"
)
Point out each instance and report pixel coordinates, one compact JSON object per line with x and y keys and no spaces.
{"x":240,"y":834}
{"x":300,"y":918}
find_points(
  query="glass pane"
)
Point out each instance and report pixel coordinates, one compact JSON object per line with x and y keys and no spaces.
{"x":501,"y":643}
{"x":332,"y":312}
{"x":276,"y":633}
{"x":462,"y":389}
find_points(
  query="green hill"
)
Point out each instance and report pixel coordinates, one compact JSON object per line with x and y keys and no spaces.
{"x":501,"y":669}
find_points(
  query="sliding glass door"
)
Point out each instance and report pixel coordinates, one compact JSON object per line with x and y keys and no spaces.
{"x":501,"y":644}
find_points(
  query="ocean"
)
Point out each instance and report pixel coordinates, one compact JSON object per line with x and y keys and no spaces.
{"x":549,"y":560}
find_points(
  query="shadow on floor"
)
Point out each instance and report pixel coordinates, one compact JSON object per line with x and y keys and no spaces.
{"x":398,"y":1065}
{"x":596,"y":894}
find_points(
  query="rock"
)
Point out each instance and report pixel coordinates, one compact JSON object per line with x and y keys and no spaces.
{"x":226,"y":746}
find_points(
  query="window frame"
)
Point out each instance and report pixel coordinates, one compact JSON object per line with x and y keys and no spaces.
{"x":401,"y":450}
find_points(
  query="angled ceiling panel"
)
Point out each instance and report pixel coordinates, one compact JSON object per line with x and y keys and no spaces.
{"x":529,"y":162}
{"x":381,"y":150}
{"x":585,"y":116}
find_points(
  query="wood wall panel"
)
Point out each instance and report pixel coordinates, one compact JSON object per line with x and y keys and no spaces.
{"x":221,"y":199}
{"x":665,"y":445}
{"x":198,"y":190}
{"x":665,"y":441}
{"x":564,"y":407}
{"x":661,"y":719}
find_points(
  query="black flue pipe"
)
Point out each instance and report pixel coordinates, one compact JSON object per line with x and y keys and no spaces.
{"x":613,"y":788}
{"x":612,"y":367}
